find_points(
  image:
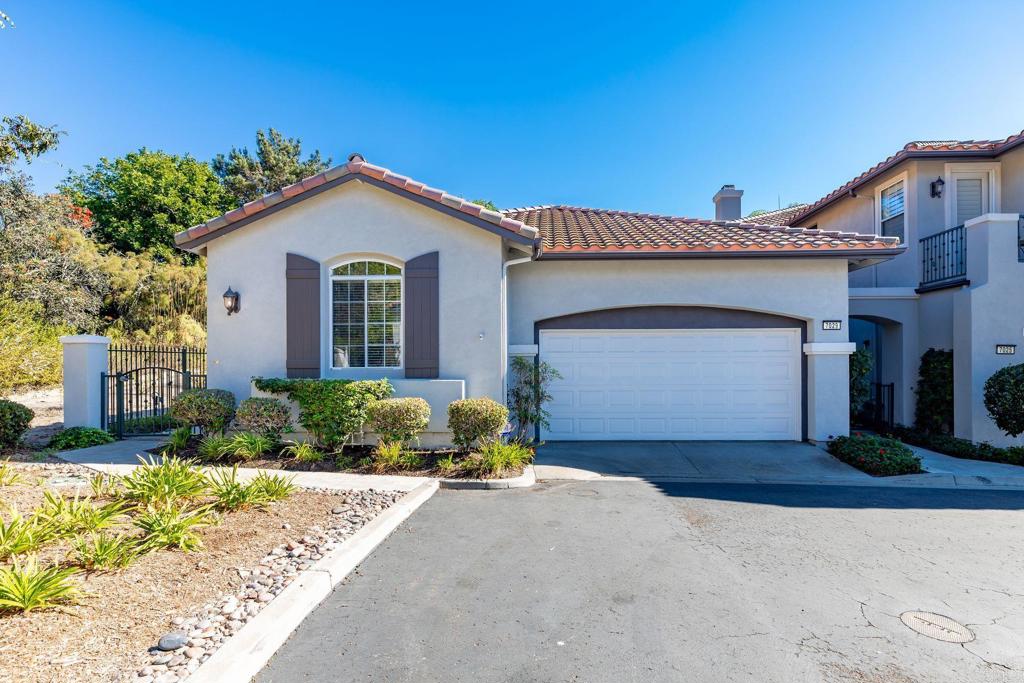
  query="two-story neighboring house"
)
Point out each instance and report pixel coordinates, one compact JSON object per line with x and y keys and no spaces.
{"x":957,"y":206}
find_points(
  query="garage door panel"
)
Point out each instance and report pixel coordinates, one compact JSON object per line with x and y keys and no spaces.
{"x":680,"y":384}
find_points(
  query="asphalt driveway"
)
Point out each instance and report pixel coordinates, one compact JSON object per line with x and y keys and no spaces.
{"x":631,"y":581}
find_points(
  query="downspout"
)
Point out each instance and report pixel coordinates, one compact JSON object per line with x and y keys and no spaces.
{"x":504,"y":322}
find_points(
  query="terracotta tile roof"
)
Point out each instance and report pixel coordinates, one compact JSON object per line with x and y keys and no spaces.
{"x":918,"y":149}
{"x":355,"y":166}
{"x":571,"y":229}
{"x":777,"y":217}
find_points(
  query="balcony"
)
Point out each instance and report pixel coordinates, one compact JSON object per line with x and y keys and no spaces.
{"x":943,"y":259}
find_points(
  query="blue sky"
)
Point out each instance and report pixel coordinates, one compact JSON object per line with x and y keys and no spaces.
{"x":637,"y":106}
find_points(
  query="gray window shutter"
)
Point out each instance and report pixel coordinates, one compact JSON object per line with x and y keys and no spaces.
{"x":422,"y":332}
{"x":303,"y":317}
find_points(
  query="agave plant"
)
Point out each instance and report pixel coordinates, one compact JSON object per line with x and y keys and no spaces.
{"x":29,"y":586}
{"x":73,"y":515}
{"x":164,"y":483}
{"x":232,"y":494}
{"x":21,"y":535}
{"x":273,"y":486}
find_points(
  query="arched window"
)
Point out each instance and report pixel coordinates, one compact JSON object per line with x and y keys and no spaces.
{"x":366,"y":315}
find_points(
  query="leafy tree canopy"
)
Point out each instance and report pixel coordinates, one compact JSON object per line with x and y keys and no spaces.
{"x":140,"y":200}
{"x":487,"y":204}
{"x":21,"y":138}
{"x":277,"y":163}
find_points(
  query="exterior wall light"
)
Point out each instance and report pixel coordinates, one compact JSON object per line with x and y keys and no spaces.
{"x":937,"y":186}
{"x":232,"y":301}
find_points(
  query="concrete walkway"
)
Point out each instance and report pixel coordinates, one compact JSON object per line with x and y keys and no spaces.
{"x":754,"y":462}
{"x":121,"y":457}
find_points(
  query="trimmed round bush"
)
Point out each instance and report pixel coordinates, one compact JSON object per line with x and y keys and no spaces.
{"x":875,"y":455}
{"x":398,"y":420}
{"x":208,"y":409}
{"x":14,"y":421}
{"x":79,"y":437}
{"x":1004,"y":398}
{"x":473,"y":420}
{"x":268,"y":417}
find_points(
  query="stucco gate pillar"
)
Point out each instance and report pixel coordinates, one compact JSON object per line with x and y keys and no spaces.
{"x":828,"y":389}
{"x":85,"y":363}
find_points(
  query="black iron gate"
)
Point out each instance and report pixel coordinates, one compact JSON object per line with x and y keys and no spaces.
{"x":141,"y":383}
{"x":878,"y":413}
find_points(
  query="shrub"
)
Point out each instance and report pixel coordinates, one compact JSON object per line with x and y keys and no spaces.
{"x":498,"y":459}
{"x":26,"y":587}
{"x":875,"y":455}
{"x":214,"y":448}
{"x":79,"y":437}
{"x":105,"y":551}
{"x":446,"y":465}
{"x":960,"y":448}
{"x":860,"y":379}
{"x":178,"y":441}
{"x":21,"y":535}
{"x":232,"y":494}
{"x":303,"y":451}
{"x":528,"y":393}
{"x":934,"y":412}
{"x":151,"y":424}
{"x":211,"y":410}
{"x":1004,"y":399}
{"x":14,"y":421}
{"x":174,"y":527}
{"x":30,"y":350}
{"x":103,"y":486}
{"x":8,"y":475}
{"x":273,"y":487}
{"x":476,"y":419}
{"x":250,"y":446}
{"x":331,"y":410}
{"x":267,"y":416}
{"x":398,"y":419}
{"x":68,"y":516}
{"x":164,"y":483}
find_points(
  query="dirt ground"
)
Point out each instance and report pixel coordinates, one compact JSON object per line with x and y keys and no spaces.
{"x":48,"y":405}
{"x":105,"y":637}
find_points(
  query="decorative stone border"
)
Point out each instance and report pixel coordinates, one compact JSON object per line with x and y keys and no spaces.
{"x":526,"y":479}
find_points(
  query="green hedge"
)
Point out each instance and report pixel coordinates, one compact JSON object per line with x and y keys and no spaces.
{"x":960,"y":448}
{"x":331,"y":410}
{"x":875,"y":455}
{"x":14,"y":422}
{"x":1004,"y":399}
{"x":475,"y":420}
{"x":934,"y":391}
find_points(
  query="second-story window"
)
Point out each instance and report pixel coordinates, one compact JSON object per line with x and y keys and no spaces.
{"x":891,"y":208}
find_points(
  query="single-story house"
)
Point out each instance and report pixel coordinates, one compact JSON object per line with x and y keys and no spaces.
{"x":661,"y":327}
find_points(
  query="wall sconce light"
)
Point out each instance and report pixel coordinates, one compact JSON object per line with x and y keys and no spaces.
{"x":937,"y":186}
{"x":231,"y":301}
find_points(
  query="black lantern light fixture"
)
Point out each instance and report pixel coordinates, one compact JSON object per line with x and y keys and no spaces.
{"x":231,"y":301}
{"x":937,"y":186}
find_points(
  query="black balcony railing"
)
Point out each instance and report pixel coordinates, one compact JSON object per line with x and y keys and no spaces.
{"x":943,"y":257}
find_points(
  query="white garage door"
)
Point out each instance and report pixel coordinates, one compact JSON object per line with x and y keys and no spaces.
{"x":674,"y":384}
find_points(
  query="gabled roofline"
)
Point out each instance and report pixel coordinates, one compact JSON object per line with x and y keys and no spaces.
{"x":620,"y":254}
{"x":357,"y":169}
{"x":987,"y":149}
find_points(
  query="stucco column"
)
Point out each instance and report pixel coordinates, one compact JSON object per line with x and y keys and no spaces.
{"x":85,"y":362}
{"x":828,"y":389}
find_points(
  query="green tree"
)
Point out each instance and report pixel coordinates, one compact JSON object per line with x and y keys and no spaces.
{"x":487,"y":204}
{"x":277,"y":163}
{"x":140,"y":200}
{"x":21,"y":138}
{"x":861,"y":362}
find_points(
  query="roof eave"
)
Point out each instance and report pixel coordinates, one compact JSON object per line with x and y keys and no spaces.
{"x":850,"y":254}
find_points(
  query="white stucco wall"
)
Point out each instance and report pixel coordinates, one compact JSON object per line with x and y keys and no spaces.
{"x":353,"y":220}
{"x":809,"y":289}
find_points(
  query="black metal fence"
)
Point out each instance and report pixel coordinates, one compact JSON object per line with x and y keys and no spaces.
{"x":879,"y":411}
{"x":943,"y":256}
{"x":142,"y":381}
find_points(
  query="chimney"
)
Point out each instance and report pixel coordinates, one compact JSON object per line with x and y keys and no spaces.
{"x":727,"y":203}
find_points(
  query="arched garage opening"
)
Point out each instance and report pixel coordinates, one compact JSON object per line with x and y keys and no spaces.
{"x":675,"y":373}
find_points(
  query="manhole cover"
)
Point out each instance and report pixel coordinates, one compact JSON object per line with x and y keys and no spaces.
{"x":937,"y":626}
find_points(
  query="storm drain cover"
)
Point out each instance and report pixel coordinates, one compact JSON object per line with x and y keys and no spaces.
{"x":937,"y":626}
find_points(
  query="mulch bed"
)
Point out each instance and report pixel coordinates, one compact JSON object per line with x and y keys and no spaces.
{"x":106,"y":635}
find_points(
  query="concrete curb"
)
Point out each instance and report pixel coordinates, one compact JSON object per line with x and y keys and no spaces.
{"x":526,"y":479}
{"x":246,"y":653}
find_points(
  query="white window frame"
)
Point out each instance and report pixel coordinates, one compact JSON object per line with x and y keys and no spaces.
{"x":366,"y":370}
{"x":907,"y":196}
{"x":990,"y":169}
